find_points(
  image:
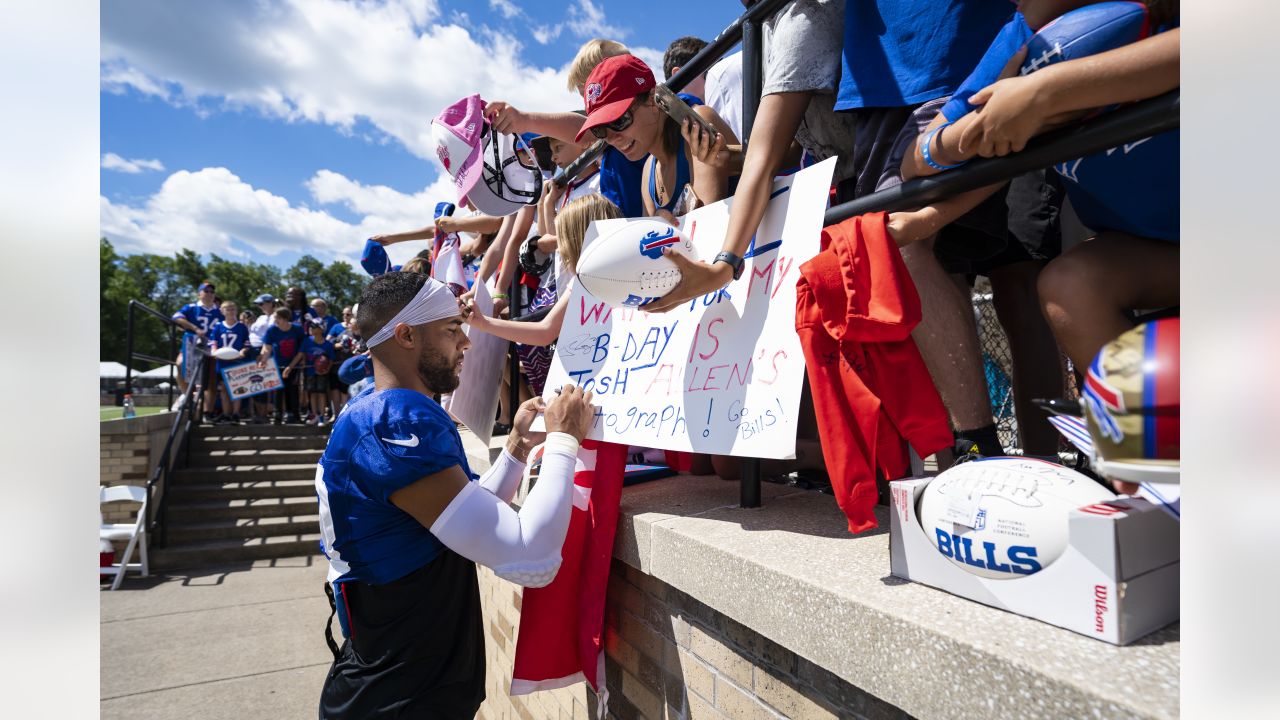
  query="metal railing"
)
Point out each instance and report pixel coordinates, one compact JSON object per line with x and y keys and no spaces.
{"x":180,"y":431}
{"x":1130,"y":123}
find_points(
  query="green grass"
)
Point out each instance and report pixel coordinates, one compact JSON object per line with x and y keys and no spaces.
{"x":113,"y":413}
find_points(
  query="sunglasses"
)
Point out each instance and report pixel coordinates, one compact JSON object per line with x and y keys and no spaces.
{"x":622,"y":123}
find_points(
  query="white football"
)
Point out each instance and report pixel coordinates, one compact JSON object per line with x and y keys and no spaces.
{"x":625,"y":266}
{"x":1004,"y":517}
{"x":226,"y":353}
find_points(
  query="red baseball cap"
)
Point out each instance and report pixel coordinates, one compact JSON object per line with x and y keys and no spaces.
{"x":611,"y":88}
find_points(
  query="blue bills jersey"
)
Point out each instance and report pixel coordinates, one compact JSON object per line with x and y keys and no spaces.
{"x":382,"y":442}
{"x":198,"y":315}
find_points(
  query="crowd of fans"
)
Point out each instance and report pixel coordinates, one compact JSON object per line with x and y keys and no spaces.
{"x":893,"y":91}
{"x":308,"y":344}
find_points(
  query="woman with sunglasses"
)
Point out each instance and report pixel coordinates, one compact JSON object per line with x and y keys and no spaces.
{"x":687,"y":167}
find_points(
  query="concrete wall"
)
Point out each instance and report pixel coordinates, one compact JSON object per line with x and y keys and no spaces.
{"x":668,"y":655}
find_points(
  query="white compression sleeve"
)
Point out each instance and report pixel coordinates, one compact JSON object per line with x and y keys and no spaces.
{"x":503,"y":477}
{"x":523,"y":547}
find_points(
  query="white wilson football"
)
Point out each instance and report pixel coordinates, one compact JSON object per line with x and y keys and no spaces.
{"x":625,"y":266}
{"x":226,"y":353}
{"x":1004,"y":517}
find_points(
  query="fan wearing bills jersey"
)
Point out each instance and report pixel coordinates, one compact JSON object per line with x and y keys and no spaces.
{"x":404,"y":521}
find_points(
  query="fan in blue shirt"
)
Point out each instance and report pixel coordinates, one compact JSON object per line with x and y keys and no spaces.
{"x":1128,"y":194}
{"x":236,"y":337}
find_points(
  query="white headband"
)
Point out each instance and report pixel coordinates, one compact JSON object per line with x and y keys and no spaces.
{"x":435,"y":301}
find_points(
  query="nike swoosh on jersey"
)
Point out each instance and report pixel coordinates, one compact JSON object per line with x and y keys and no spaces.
{"x":412,"y":441}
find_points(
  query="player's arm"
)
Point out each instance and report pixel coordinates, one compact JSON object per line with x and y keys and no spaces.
{"x":503,"y":477}
{"x":524,"y":546}
{"x":914,"y":225}
{"x":776,"y":124}
{"x":182,"y":322}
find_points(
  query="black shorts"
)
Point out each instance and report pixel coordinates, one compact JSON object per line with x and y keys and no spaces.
{"x":1016,"y":224}
{"x":416,"y":648}
{"x":317,"y":384}
{"x":335,"y":383}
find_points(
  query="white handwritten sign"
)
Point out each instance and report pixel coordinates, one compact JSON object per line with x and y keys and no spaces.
{"x":723,"y":373}
{"x":475,"y":402}
{"x":247,"y":379}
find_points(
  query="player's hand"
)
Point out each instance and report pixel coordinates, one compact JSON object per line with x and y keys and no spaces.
{"x":447,"y":224}
{"x":696,"y":279}
{"x":499,"y":305}
{"x":570,"y":412}
{"x":381,"y":239}
{"x":506,"y":118}
{"x":202,"y":333}
{"x":707,"y":147}
{"x":525,"y":416}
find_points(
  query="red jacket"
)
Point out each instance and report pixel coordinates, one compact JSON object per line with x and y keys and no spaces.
{"x":855,"y":309}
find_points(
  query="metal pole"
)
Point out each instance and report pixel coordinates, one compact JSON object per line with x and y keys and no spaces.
{"x":172,"y":378}
{"x":128,"y":343}
{"x":752,"y":87}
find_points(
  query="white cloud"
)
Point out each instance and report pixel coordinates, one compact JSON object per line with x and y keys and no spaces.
{"x":586,"y":20}
{"x":546,"y":34}
{"x":507,"y":8}
{"x":208,"y":209}
{"x":112,"y":161}
{"x":395,"y":63}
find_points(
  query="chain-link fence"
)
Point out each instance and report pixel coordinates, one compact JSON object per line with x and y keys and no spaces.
{"x":997,"y":362}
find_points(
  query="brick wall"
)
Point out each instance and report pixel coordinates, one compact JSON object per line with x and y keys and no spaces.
{"x":128,"y":450}
{"x":667,"y":655}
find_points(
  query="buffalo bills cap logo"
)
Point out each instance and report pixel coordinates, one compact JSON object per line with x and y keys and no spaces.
{"x":653,"y":242}
{"x":594,"y":91}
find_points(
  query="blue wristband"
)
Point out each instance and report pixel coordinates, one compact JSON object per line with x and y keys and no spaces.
{"x":924,"y":150}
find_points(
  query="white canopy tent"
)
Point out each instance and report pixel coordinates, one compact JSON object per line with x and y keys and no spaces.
{"x":111,"y":370}
{"x":160,"y":372}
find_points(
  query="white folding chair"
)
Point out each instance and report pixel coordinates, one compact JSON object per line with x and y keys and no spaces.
{"x":134,"y":532}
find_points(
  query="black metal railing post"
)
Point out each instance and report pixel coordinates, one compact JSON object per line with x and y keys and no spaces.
{"x":752,"y":87}
{"x":128,"y":353}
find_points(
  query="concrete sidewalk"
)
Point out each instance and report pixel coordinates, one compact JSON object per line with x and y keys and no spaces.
{"x":235,"y":642}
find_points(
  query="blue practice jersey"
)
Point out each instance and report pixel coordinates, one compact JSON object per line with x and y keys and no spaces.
{"x":620,"y":181}
{"x":235,"y":337}
{"x":314,"y":351}
{"x":198,"y":315}
{"x":382,"y":442}
{"x":1132,"y":188}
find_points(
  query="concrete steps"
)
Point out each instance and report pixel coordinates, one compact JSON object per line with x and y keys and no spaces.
{"x":247,"y":493}
{"x":221,"y":552}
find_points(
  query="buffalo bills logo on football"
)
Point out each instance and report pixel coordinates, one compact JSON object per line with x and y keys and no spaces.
{"x":653,"y":242}
{"x":594,"y":91}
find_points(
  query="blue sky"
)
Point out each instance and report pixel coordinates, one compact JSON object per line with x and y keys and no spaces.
{"x":268,"y":129}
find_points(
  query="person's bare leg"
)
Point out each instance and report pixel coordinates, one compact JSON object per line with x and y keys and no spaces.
{"x":1086,"y":291}
{"x":948,"y":338}
{"x":1037,"y":368}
